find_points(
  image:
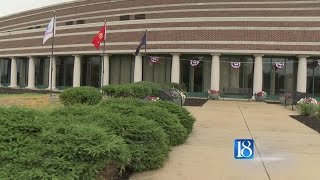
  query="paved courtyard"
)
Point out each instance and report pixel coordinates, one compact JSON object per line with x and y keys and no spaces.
{"x":287,"y":150}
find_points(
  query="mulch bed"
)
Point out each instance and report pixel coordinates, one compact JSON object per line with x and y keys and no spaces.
{"x":195,"y":102}
{"x":110,"y":172}
{"x":311,"y":122}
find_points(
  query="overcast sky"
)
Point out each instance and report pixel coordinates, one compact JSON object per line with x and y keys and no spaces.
{"x":13,"y":6}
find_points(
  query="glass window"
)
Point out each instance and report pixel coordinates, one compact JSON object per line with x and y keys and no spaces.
{"x":231,"y":77}
{"x":198,"y":78}
{"x":5,"y":70}
{"x":121,"y":69}
{"x":277,"y":79}
{"x":91,"y":71}
{"x":42,"y":66}
{"x":159,"y":72}
{"x":139,"y":16}
{"x":69,"y":23}
{"x":64,"y":76}
{"x":80,"y":21}
{"x":124,"y":17}
{"x":22,"y":72}
{"x":313,"y":76}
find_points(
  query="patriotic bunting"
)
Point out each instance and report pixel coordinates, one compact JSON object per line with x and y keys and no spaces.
{"x":154,"y":59}
{"x":194,"y":63}
{"x":280,"y":65}
{"x":236,"y":65}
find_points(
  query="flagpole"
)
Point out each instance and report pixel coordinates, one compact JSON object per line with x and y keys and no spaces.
{"x":52,"y":46}
{"x":145,"y":48}
{"x":103,"y":52}
{"x":314,"y":66}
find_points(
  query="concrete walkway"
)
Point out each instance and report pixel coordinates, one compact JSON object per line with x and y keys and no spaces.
{"x":288,"y":149}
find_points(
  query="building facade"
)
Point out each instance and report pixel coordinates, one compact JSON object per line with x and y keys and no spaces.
{"x":275,"y":44}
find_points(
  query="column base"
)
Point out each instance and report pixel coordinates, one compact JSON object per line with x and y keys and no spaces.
{"x":31,"y":87}
{"x":53,"y":89}
{"x":13,"y":87}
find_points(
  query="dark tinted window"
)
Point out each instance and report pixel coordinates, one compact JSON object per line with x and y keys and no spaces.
{"x":140,"y":16}
{"x":125,"y":18}
{"x":69,"y":23}
{"x":80,"y":22}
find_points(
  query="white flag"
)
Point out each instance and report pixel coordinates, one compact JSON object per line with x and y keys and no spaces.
{"x":49,"y":32}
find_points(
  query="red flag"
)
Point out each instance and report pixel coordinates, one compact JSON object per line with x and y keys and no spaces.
{"x":100,"y":37}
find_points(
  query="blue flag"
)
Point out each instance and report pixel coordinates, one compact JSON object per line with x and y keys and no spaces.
{"x":143,"y":42}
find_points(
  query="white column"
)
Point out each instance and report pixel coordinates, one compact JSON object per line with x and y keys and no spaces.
{"x":215,"y":72}
{"x":54,"y":70}
{"x":31,"y":73}
{"x":13,"y":77}
{"x":302,"y":74}
{"x":175,"y":68}
{"x":106,"y":70}
{"x":76,"y":71}
{"x":138,"y":69}
{"x":258,"y":73}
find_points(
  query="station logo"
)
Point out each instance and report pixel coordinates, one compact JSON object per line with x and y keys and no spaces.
{"x":244,"y":149}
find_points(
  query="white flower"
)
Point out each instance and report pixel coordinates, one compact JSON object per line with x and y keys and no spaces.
{"x":183,"y":96}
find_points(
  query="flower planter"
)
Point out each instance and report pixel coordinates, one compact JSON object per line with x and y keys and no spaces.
{"x":214,"y":96}
{"x":260,"y":98}
{"x":183,"y":100}
{"x":283,"y":101}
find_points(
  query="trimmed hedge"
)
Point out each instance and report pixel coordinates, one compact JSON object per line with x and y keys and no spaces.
{"x":186,"y":119}
{"x":128,"y":106}
{"x":133,"y":90}
{"x":76,"y":142}
{"x":37,"y":146}
{"x":147,"y":141}
{"x":80,"y":95}
{"x":177,"y":134}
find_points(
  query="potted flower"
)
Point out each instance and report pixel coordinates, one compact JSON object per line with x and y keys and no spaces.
{"x":260,"y":96}
{"x":308,"y":107}
{"x":214,"y":94}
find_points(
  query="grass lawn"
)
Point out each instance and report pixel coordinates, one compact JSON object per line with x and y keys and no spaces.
{"x":38,"y":101}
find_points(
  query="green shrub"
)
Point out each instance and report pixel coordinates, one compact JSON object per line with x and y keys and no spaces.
{"x":80,"y":95}
{"x":307,"y":107}
{"x":155,"y":87}
{"x":81,"y":150}
{"x":35,"y":145}
{"x":177,"y":134}
{"x":184,"y":115}
{"x":175,"y":85}
{"x":132,"y":90}
{"x":128,"y":101}
{"x":147,"y":141}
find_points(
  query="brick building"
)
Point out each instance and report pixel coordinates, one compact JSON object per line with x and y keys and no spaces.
{"x":275,"y":41}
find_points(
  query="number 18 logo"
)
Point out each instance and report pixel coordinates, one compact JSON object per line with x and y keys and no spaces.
{"x":244,"y":149}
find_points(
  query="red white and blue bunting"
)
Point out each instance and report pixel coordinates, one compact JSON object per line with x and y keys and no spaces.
{"x":236,"y":65}
{"x":280,"y":65}
{"x":194,"y":63}
{"x":154,"y":59}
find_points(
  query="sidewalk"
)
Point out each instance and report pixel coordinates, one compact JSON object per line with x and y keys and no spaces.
{"x":289,"y":150}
